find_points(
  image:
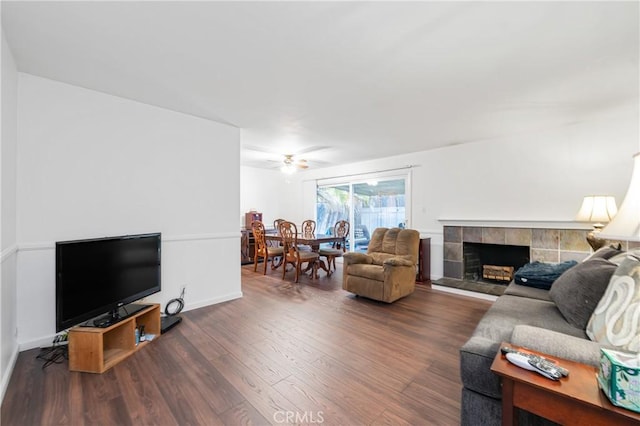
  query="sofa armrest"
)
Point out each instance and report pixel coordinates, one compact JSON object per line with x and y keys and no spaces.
{"x":557,"y":344}
{"x":352,"y":257}
{"x":477,"y":355}
{"x":398,"y":261}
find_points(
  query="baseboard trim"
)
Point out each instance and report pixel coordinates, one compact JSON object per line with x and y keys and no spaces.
{"x":36,"y":343}
{"x":46,"y":340}
{"x":214,"y":301}
{"x":6,"y":375}
{"x":464,"y":292}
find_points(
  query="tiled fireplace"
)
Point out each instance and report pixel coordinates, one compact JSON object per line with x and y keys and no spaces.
{"x":493,"y":262}
{"x":544,"y":245}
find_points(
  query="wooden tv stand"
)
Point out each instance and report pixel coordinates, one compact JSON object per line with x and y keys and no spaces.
{"x":95,"y":350}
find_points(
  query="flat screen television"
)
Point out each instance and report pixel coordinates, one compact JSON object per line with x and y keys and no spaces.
{"x":100,"y":276}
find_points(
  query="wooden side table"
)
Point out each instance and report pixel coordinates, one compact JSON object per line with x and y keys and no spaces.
{"x":573,"y":400}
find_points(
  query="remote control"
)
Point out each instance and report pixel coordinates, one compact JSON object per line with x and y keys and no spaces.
{"x":545,"y":363}
{"x":546,"y":370}
{"x":524,"y":362}
{"x":519,"y":360}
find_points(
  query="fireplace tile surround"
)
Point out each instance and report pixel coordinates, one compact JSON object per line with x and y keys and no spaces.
{"x":546,"y":245}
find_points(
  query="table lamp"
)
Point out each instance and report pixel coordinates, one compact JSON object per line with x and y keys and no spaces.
{"x":626,"y":225}
{"x":598,"y":210}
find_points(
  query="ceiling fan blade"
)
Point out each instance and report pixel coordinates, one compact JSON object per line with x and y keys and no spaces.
{"x":312,"y":149}
{"x":301,"y":164}
{"x":273,"y":160}
{"x":321,"y":163}
{"x":258,"y":149}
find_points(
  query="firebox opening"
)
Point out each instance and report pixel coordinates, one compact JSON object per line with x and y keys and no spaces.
{"x":493,"y":263}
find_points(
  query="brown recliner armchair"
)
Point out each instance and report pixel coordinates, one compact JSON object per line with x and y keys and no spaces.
{"x":387,"y":271}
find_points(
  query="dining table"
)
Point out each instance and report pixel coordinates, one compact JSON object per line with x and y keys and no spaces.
{"x":314,"y":243}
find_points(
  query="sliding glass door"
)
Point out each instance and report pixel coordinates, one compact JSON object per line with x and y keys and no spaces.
{"x":366,"y":204}
{"x":333,"y":204}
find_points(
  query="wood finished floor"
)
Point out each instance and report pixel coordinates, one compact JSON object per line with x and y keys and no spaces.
{"x":283,"y":354}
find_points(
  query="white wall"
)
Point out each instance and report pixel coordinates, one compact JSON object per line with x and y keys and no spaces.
{"x":8,"y":252}
{"x":266,"y":192}
{"x":534,"y":177}
{"x":93,"y":165}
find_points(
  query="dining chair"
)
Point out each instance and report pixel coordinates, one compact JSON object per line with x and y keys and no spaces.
{"x":308,"y":231}
{"x":276,"y":225}
{"x":340,"y":229}
{"x":263,"y":250}
{"x":309,"y":228}
{"x":292,"y":253}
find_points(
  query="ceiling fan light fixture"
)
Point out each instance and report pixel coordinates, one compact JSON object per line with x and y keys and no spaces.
{"x":288,"y":169}
{"x":290,"y":166}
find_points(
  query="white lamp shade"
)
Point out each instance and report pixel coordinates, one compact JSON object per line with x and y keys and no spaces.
{"x":597,"y":209}
{"x":626,"y":224}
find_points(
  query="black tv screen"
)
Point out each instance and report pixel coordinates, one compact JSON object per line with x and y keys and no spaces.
{"x":97,"y":276}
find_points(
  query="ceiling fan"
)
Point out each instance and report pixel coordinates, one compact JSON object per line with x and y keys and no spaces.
{"x":291,"y":165}
{"x":268,"y":157}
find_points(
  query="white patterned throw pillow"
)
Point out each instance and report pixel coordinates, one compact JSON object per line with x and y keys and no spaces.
{"x":616,"y":319}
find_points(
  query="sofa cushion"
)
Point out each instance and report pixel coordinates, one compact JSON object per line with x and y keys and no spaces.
{"x":618,"y":258}
{"x":390,"y":241}
{"x":352,"y":257}
{"x":508,"y":311}
{"x":395,"y":241}
{"x":379,"y":257}
{"x":615,"y":320}
{"x":496,"y":326}
{"x":604,"y":253}
{"x":557,"y":344}
{"x":375,"y":243}
{"x":577,"y":292}
{"x":515,"y":289}
{"x":372,"y":272}
{"x":399,"y":261}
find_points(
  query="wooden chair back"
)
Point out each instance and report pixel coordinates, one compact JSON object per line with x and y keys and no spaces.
{"x":289,"y":233}
{"x":341,"y":229}
{"x":309,"y":229}
{"x":263,"y":248}
{"x":276,"y":225}
{"x":292,"y":253}
{"x":259,"y":238}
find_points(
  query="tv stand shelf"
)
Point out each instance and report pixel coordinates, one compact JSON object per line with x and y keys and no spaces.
{"x":95,"y":350}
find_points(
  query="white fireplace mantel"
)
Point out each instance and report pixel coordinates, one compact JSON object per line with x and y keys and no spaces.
{"x":517,"y":223}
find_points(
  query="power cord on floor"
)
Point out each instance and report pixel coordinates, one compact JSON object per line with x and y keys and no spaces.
{"x":57,"y":353}
{"x":174,"y":306}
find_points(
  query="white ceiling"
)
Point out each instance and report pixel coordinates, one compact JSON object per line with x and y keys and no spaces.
{"x":343,"y":81}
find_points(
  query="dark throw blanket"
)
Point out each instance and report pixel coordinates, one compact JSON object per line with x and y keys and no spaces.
{"x":541,"y":275}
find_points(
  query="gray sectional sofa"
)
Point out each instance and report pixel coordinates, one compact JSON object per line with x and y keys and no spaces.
{"x":528,"y":317}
